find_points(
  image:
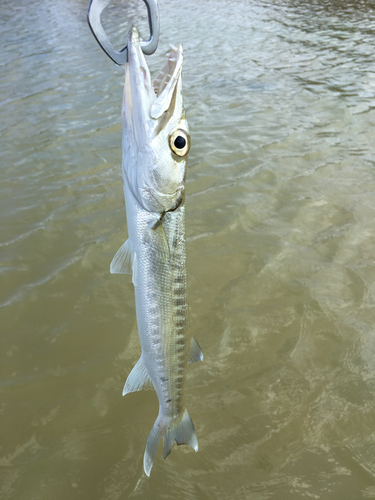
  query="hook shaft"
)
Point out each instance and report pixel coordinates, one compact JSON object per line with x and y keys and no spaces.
{"x":94,"y":11}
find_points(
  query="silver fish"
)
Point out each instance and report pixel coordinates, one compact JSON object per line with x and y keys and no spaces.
{"x":155,"y":145}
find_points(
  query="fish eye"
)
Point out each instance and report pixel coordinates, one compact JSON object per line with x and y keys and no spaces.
{"x":179,"y":142}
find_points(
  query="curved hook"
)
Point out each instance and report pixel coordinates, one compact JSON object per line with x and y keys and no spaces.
{"x":94,"y":11}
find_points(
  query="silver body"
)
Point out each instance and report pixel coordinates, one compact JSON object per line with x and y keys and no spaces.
{"x":155,"y":146}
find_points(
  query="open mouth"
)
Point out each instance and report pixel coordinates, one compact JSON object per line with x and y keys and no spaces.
{"x":144,"y":99}
{"x":169,"y":71}
{"x":168,"y":75}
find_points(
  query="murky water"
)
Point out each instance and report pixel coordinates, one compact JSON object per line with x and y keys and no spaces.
{"x":280,"y":97}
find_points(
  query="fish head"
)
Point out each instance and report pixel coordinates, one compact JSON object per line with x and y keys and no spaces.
{"x":156,"y":137}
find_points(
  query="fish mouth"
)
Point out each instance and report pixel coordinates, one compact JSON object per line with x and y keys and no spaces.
{"x":168,"y":71}
{"x":153,"y":97}
{"x":138,"y":63}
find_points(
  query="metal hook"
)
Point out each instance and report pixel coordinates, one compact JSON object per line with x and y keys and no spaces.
{"x":94,"y":11}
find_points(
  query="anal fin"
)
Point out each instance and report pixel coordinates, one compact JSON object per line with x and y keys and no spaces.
{"x":138,"y":378}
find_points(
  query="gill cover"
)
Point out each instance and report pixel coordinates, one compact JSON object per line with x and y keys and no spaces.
{"x":156,"y":137}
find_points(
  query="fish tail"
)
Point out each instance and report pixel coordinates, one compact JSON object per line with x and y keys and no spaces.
{"x":180,"y":429}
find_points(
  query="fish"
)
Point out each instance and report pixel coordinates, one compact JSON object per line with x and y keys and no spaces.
{"x":155,"y":145}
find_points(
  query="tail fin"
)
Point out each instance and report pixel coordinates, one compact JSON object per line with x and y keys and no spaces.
{"x":180,"y":429}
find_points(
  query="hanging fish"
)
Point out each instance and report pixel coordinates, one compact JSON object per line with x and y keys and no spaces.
{"x":155,"y":144}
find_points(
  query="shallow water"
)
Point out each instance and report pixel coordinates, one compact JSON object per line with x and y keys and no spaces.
{"x":280,"y":97}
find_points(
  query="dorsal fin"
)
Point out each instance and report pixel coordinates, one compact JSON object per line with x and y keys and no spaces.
{"x":195,"y":353}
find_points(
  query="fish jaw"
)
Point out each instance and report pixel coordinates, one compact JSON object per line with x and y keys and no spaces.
{"x":138,"y":92}
{"x":153,"y":123}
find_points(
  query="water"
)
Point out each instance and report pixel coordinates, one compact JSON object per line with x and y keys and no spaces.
{"x":280,"y":98}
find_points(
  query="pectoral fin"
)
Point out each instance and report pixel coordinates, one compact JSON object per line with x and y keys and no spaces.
{"x":195,"y":353}
{"x":138,"y":379}
{"x":156,"y":239}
